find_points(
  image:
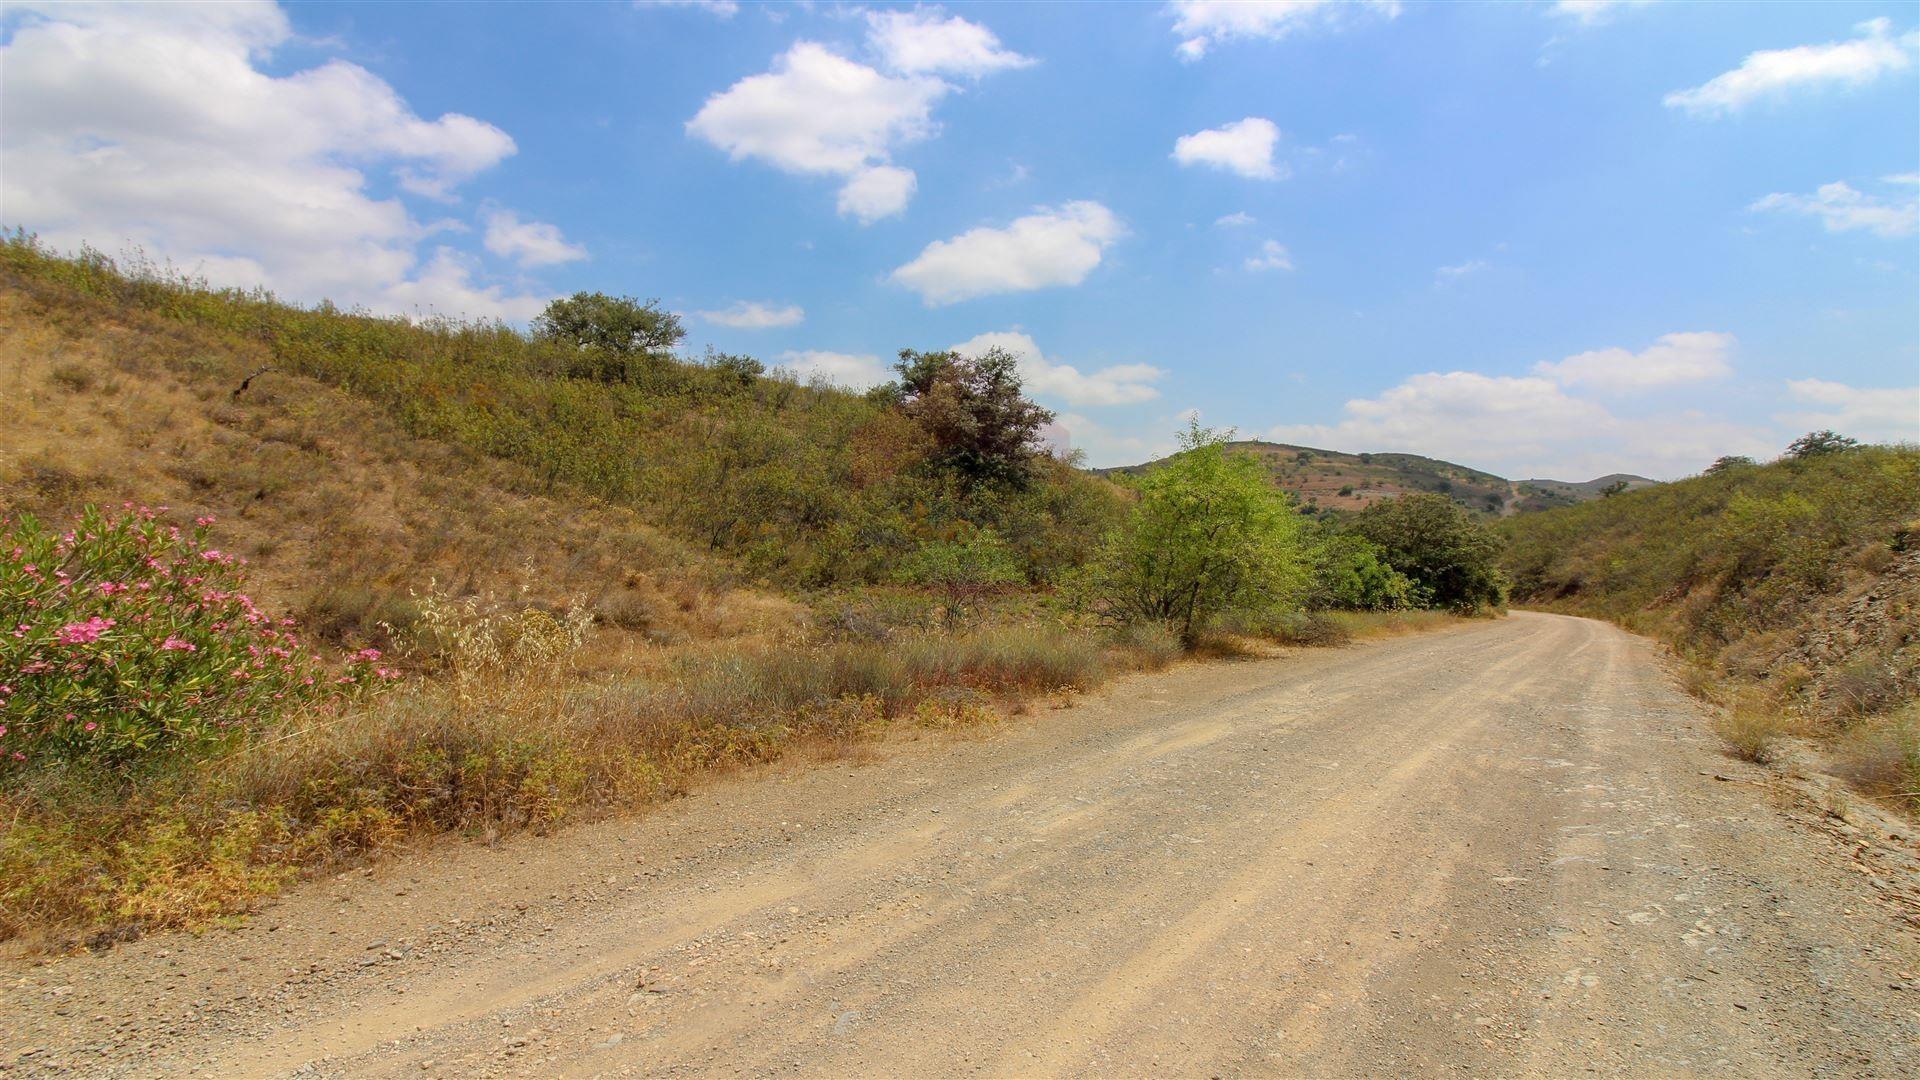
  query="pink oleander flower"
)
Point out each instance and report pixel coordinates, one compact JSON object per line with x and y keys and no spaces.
{"x":84,"y":633}
{"x":174,"y":644}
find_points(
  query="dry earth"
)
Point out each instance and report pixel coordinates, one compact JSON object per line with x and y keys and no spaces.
{"x":1511,"y":848}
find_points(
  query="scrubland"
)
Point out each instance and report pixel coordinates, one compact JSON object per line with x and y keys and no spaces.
{"x":585,"y":586}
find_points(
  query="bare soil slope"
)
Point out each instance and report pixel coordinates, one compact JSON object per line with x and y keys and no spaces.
{"x":1510,"y":848}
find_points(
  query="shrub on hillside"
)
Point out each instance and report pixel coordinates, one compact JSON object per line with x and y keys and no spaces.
{"x":1209,"y":536}
{"x":126,"y":638}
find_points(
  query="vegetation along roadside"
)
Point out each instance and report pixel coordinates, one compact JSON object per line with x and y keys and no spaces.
{"x":433,"y":577}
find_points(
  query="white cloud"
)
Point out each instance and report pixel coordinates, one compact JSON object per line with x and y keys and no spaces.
{"x":1052,"y":246}
{"x":1902,"y":178}
{"x":876,"y":192}
{"x":753,"y":315}
{"x":1244,"y":147}
{"x":818,"y":113}
{"x":1593,"y":12}
{"x":1448,"y":274}
{"x":920,"y":42}
{"x":1674,"y":359}
{"x":853,"y":371}
{"x":1523,"y":428}
{"x":1234,"y":220}
{"x":529,"y":243}
{"x":157,"y":126}
{"x":1840,"y":208}
{"x":1773,"y":73}
{"x":1107,"y":447}
{"x":1873,"y":415}
{"x":1201,"y":24}
{"x":1122,"y":384}
{"x":1273,"y":256}
{"x":725,"y":9}
{"x":445,"y":285}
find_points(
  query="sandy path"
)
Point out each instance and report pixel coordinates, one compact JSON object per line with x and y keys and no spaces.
{"x":1500,"y":848}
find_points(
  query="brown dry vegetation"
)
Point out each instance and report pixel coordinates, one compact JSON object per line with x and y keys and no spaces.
{"x":339,"y":511}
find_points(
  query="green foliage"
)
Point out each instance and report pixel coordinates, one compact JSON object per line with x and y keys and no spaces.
{"x":1716,"y":558}
{"x":614,"y":335}
{"x":962,"y":570}
{"x":983,"y":428}
{"x":1451,"y":557}
{"x":1209,"y":535}
{"x":1817,"y":443}
{"x":126,"y":639}
{"x":1351,"y":573}
{"x":803,"y":486}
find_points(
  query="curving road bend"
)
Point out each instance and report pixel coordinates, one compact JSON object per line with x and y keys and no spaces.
{"x":1501,"y":848}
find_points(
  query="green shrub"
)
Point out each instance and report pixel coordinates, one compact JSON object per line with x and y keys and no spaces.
{"x":127,"y":639}
{"x":1209,"y":535}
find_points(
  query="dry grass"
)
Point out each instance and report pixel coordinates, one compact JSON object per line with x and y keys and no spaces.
{"x":338,"y":510}
{"x":512,"y":732}
{"x":1752,"y":731}
{"x":1882,"y":756}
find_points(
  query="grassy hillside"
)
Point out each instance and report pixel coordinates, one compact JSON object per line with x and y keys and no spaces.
{"x":1332,"y":480}
{"x":1795,"y":584}
{"x":796,"y":485}
{"x":408,"y":579}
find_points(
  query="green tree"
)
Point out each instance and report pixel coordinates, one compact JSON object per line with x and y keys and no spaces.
{"x":1209,"y":535}
{"x":611,"y":333}
{"x":1351,"y":572}
{"x":1729,"y":463}
{"x":983,"y":428}
{"x":1615,"y":488}
{"x":1817,"y":443}
{"x":1450,"y":555}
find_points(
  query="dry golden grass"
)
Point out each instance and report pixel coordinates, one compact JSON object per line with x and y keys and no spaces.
{"x":339,"y":511}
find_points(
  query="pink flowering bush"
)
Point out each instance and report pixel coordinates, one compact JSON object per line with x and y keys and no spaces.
{"x":125,"y":637}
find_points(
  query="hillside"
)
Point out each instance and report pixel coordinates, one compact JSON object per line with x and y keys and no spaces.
{"x":1794,"y":587}
{"x":1334,"y":480}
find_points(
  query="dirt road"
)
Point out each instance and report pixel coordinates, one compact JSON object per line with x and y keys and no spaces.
{"x":1501,"y":848}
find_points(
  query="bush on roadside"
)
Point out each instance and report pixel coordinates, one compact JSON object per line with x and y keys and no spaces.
{"x":126,"y":639}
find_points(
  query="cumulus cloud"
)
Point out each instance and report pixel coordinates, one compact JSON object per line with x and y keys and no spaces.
{"x":1110,"y":446}
{"x":818,"y":113}
{"x":1873,"y":415}
{"x":160,"y":125}
{"x":852,"y":371}
{"x":529,"y":243}
{"x":1052,"y":246}
{"x":1234,"y":220}
{"x":1273,"y":255}
{"x":753,"y":315}
{"x":1202,"y":24}
{"x":1673,"y":360}
{"x":920,"y":42}
{"x":445,"y":285}
{"x":1122,"y":384}
{"x":1244,"y":147}
{"x":1842,"y":209}
{"x":1525,"y":427}
{"x":1774,"y":73}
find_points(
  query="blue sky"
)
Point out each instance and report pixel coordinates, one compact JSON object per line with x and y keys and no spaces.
{"x":1540,"y":239}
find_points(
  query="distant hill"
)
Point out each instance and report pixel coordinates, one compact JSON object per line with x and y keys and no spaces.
{"x":1330,"y":479}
